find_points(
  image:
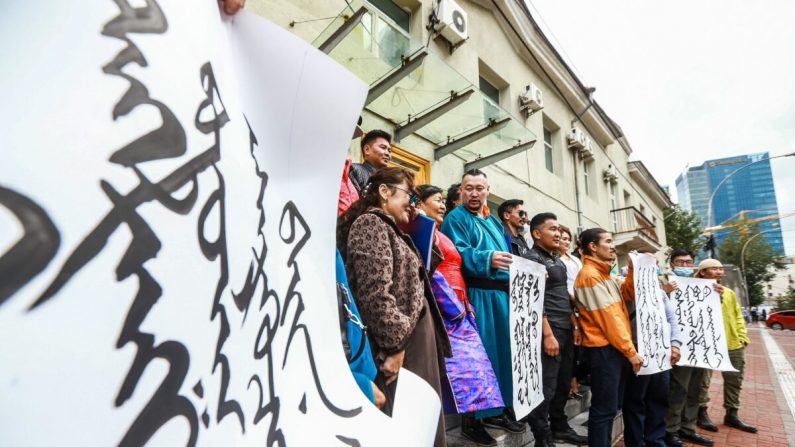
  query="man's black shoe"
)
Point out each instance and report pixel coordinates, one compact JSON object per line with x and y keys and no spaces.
{"x":695,"y":438}
{"x":544,"y":441}
{"x":732,"y":419}
{"x":704,"y":421}
{"x":504,"y":423}
{"x":569,"y":436}
{"x":672,"y":440}
{"x":473,"y":430}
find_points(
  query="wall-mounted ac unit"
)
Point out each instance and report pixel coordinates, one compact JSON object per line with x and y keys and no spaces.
{"x":452,"y":22}
{"x":532,"y":99}
{"x":610,"y":174}
{"x":586,"y":152}
{"x":576,"y":139}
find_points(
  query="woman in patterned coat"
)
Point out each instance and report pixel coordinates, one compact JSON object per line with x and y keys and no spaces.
{"x":469,"y":371}
{"x":391,"y":285}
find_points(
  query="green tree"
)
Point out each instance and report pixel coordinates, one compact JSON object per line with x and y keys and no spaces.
{"x":683,"y":229}
{"x":761,"y":260}
{"x":789,"y":302}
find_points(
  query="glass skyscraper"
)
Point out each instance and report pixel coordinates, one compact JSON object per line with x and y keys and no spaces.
{"x":749,"y":193}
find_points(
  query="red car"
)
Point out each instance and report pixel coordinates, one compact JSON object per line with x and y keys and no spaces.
{"x":781,"y":320}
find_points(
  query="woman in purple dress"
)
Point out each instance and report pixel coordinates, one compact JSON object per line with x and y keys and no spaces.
{"x":472,"y":379}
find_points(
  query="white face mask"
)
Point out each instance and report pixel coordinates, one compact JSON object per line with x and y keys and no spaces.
{"x":524,"y":229}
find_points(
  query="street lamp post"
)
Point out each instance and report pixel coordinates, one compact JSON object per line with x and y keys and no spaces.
{"x":715,"y":191}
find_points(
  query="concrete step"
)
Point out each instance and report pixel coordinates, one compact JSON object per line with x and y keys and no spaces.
{"x":576,"y":410}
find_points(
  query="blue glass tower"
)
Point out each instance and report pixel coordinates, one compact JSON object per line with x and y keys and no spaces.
{"x":749,"y":193}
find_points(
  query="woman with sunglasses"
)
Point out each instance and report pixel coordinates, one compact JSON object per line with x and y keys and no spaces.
{"x":391,"y":285}
{"x":472,"y":379}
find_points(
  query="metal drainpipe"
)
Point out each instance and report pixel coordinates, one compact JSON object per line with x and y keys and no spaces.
{"x":577,"y":202}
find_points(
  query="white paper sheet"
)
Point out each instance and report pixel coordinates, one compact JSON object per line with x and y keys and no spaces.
{"x":700,"y":320}
{"x":651,"y":326}
{"x":528,"y":281}
{"x":171,"y":175}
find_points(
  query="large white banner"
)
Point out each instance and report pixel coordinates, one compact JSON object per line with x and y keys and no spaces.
{"x":528,"y":281}
{"x":651,"y":327}
{"x":168,"y":196}
{"x":700,"y":320}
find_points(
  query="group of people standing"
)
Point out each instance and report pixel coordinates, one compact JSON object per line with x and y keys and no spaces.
{"x":449,"y":323}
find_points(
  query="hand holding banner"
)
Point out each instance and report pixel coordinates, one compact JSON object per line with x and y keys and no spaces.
{"x":651,"y":327}
{"x":527,"y":308}
{"x":700,"y":320}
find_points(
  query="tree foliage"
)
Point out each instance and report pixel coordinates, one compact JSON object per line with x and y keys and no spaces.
{"x":683,"y":229}
{"x":761,"y":260}
{"x":789,"y":302}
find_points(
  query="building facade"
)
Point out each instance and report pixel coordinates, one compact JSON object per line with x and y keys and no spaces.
{"x":748,"y":194}
{"x":476,"y":84}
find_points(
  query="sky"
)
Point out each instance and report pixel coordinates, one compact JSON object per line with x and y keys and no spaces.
{"x":688,"y":81}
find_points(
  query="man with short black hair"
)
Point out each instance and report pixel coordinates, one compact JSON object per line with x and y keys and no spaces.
{"x":560,"y":332}
{"x":513,"y":216}
{"x":478,"y":237}
{"x":685,"y":381}
{"x":607,"y":336}
{"x":377,"y":152}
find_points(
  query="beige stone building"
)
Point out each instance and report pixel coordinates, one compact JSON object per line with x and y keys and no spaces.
{"x":475,"y":83}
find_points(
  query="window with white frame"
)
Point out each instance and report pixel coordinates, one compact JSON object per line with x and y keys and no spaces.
{"x":548,"y":150}
{"x":586,"y":177}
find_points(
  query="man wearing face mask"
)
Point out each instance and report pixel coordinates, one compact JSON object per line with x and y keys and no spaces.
{"x":513,"y":218}
{"x":685,"y":380}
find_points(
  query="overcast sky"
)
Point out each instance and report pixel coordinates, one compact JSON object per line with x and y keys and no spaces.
{"x":688,"y":80}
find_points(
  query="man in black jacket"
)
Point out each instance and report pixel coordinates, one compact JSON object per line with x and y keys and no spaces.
{"x":560,"y":333}
{"x":377,"y":152}
{"x":513,"y":217}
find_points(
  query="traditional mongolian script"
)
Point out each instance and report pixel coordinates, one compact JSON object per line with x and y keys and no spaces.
{"x":700,"y":319}
{"x":167,"y":282}
{"x":527,"y":283}
{"x":651,"y":327}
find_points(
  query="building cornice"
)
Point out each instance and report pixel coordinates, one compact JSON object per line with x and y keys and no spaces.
{"x":647,"y":182}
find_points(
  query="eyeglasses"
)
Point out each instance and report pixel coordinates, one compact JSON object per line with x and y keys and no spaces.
{"x":413,"y":200}
{"x":522,"y":213}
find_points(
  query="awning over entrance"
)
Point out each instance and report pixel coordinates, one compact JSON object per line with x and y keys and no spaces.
{"x":420,"y":93}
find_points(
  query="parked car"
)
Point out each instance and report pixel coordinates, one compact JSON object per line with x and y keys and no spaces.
{"x":781,"y":320}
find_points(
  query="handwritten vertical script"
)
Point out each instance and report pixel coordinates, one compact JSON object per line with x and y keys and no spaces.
{"x":651,"y":327}
{"x":700,"y":319}
{"x":527,"y":283}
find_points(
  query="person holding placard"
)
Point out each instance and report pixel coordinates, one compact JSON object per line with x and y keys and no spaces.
{"x":736,"y":339}
{"x":680,"y":422}
{"x":646,"y":396}
{"x":472,"y":381}
{"x":607,"y":337}
{"x":560,"y":332}
{"x":486,"y":260}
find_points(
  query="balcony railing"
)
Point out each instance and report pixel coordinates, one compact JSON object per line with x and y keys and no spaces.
{"x":629,"y":219}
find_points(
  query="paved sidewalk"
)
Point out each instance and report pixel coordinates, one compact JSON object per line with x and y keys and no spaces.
{"x":762,"y":402}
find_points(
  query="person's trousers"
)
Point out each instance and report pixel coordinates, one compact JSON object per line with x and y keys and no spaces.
{"x":732,"y":382}
{"x":645,"y":408}
{"x":683,"y":398}
{"x":607,"y":371}
{"x":556,"y":379}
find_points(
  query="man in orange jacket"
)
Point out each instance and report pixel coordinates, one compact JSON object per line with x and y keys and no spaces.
{"x":607,"y":335}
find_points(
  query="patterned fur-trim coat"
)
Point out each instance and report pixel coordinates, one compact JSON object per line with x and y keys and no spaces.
{"x":390,"y":284}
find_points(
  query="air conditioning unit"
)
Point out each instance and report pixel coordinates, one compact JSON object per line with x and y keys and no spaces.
{"x":532,"y":99}
{"x":576,"y":139}
{"x":610,"y":174}
{"x":586,"y":152}
{"x":452,"y":22}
